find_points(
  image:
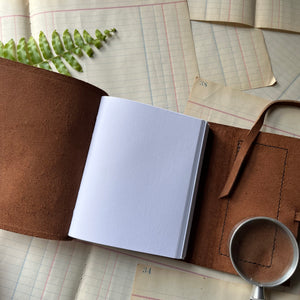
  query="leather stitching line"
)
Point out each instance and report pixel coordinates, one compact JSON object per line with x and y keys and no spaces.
{"x":278,"y":209}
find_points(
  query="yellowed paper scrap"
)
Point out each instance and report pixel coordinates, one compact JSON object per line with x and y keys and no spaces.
{"x":152,"y":57}
{"x":232,"y":56}
{"x":237,"y":11}
{"x":216,"y":103}
{"x":277,"y":14}
{"x":285,"y":65}
{"x":274,"y":14}
{"x":165,"y":284}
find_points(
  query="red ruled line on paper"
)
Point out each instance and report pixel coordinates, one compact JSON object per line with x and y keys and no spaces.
{"x":170,"y":59}
{"x":144,"y":297}
{"x":243,"y":57}
{"x":242,"y":118}
{"x":50,"y":270}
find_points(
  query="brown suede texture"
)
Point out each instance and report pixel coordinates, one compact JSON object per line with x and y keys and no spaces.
{"x":268,"y":185}
{"x":46,"y":124}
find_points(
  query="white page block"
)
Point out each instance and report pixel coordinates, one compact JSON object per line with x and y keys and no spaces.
{"x":138,"y":184}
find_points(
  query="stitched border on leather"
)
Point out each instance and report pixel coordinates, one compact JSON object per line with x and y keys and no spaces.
{"x":278,"y":207}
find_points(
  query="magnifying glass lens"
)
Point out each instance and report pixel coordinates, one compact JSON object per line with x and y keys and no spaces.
{"x":262,"y":252}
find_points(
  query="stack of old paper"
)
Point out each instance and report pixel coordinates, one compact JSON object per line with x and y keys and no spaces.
{"x":238,"y":55}
{"x":155,"y":57}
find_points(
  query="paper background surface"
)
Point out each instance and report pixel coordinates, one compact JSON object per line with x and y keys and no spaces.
{"x":153,"y":58}
{"x":216,"y":103}
{"x":232,"y":56}
{"x":152,"y":282}
{"x":273,"y":14}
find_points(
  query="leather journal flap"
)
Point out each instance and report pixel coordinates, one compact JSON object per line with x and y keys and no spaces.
{"x":266,"y":184}
{"x":248,"y":141}
{"x":46,"y":123}
{"x":297,"y":216}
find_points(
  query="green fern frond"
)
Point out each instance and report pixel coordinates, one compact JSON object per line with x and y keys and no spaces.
{"x":34,"y":52}
{"x":71,"y":60}
{"x":69,"y":44}
{"x":45,"y":47}
{"x":1,"y":49}
{"x":60,"y":66}
{"x":40,"y":54}
{"x":22,"y":52}
{"x":9,"y":50}
{"x":81,"y":44}
{"x":45,"y":65}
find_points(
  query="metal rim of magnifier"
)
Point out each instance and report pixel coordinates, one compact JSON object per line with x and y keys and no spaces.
{"x":293,"y":265}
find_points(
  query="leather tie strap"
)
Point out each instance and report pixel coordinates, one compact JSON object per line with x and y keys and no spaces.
{"x":247,"y":143}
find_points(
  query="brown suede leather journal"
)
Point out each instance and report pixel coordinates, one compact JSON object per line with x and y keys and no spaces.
{"x":246,"y":174}
{"x":46,"y":124}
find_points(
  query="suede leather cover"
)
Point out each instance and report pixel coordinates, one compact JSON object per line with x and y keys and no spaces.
{"x":268,"y":185}
{"x":46,"y":123}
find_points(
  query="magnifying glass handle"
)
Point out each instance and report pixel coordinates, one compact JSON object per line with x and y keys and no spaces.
{"x":258,"y":293}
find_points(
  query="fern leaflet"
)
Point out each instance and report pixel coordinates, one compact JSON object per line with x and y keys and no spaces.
{"x":40,"y":54}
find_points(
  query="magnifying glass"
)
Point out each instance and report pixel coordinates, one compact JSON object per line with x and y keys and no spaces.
{"x":264,"y":252}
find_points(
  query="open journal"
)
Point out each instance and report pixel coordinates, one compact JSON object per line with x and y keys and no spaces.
{"x":131,"y":175}
{"x":75,"y":162}
{"x":138,"y":187}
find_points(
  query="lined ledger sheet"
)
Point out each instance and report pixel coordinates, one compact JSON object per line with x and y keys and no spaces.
{"x":277,"y":14}
{"x":273,"y":14}
{"x":232,"y":56}
{"x":285,"y":64}
{"x":235,"y":11}
{"x":151,"y":57}
{"x":157,"y":283}
{"x":215,"y":103}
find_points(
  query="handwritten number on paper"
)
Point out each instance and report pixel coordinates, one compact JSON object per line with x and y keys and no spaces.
{"x":147,"y":270}
{"x":203,"y":83}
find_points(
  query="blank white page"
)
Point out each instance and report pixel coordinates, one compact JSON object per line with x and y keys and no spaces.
{"x":137,"y":188}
